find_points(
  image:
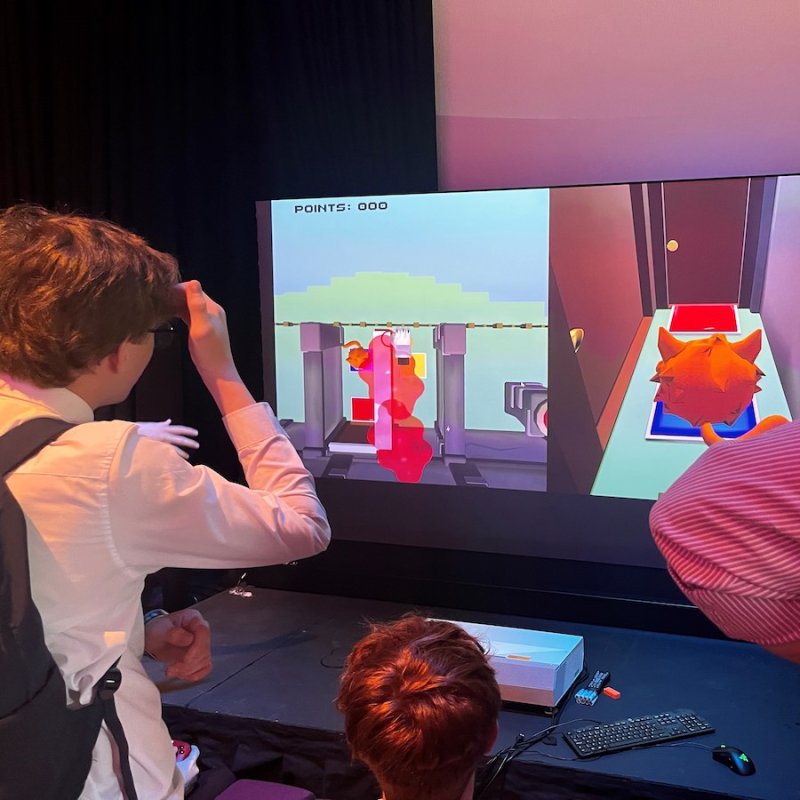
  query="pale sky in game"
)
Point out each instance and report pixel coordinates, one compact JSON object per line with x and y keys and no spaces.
{"x":492,"y":242}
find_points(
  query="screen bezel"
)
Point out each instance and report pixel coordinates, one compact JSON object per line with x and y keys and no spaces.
{"x":607,"y":530}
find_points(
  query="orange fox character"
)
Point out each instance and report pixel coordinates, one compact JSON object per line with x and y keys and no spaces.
{"x":710,"y":380}
{"x":358,"y":357}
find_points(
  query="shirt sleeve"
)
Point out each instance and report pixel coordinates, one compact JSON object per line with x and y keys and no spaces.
{"x":739,"y":576}
{"x":164,"y":512}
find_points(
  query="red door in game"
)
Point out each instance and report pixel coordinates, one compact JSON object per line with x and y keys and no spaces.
{"x":704,"y":226}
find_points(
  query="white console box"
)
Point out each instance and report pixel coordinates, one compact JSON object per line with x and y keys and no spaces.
{"x":533,"y":667}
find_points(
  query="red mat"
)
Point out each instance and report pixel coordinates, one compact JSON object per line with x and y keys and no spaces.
{"x":704,"y":319}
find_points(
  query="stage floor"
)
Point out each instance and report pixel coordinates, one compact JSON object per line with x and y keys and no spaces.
{"x":267,"y":708}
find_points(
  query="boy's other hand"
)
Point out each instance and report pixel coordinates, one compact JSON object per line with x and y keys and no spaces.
{"x":176,"y":435}
{"x":182,"y":642}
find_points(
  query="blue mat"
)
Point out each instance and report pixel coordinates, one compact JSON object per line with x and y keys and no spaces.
{"x":664,"y":425}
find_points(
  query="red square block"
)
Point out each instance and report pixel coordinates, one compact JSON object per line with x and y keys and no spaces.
{"x":362,"y":409}
{"x":704,"y":319}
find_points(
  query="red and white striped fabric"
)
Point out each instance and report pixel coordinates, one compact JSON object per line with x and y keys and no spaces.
{"x":729,"y":529}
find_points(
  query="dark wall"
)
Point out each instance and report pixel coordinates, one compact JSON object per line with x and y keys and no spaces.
{"x":594,"y":265}
{"x":781,"y":288}
{"x":595,"y":286}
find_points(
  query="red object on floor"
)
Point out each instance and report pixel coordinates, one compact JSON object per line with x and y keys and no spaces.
{"x":704,"y":318}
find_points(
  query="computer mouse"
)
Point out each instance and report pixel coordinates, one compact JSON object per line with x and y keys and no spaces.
{"x":734,"y":759}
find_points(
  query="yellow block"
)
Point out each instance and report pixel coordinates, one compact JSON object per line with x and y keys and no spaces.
{"x":420,"y":365}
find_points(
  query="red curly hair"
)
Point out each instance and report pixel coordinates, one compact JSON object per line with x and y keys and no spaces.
{"x":420,"y":703}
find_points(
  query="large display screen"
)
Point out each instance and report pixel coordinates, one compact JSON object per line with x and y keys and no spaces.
{"x":581,"y":340}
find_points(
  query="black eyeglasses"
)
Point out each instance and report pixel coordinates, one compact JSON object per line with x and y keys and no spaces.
{"x":163,"y":336}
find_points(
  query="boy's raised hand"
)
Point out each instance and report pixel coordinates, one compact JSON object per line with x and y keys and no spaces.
{"x":210,"y":346}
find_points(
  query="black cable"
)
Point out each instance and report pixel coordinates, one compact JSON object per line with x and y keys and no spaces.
{"x":497,"y":764}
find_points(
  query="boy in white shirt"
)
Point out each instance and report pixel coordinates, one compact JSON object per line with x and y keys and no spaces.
{"x":80,"y":300}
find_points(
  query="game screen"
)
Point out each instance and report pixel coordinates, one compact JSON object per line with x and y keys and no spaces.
{"x":590,"y":340}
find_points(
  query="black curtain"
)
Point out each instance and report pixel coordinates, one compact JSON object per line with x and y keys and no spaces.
{"x":173,"y":118}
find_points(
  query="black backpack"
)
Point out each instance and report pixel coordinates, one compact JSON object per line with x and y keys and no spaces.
{"x":45,"y":748}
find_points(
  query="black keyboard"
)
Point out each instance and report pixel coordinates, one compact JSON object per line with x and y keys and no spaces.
{"x":610,"y":737}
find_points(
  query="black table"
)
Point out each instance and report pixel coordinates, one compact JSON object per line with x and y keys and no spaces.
{"x":267,"y":708}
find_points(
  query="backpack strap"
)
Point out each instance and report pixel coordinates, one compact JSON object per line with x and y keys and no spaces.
{"x":106,"y":687}
{"x":25,"y":661}
{"x":16,"y":447}
{"x":23,"y":442}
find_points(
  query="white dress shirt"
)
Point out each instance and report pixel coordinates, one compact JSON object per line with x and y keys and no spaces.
{"x":104,"y":508}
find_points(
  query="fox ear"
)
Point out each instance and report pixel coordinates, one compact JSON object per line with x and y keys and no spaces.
{"x":749,"y":347}
{"x":668,"y":345}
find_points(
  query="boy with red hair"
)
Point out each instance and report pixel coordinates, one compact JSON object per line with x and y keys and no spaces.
{"x":420,"y":703}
